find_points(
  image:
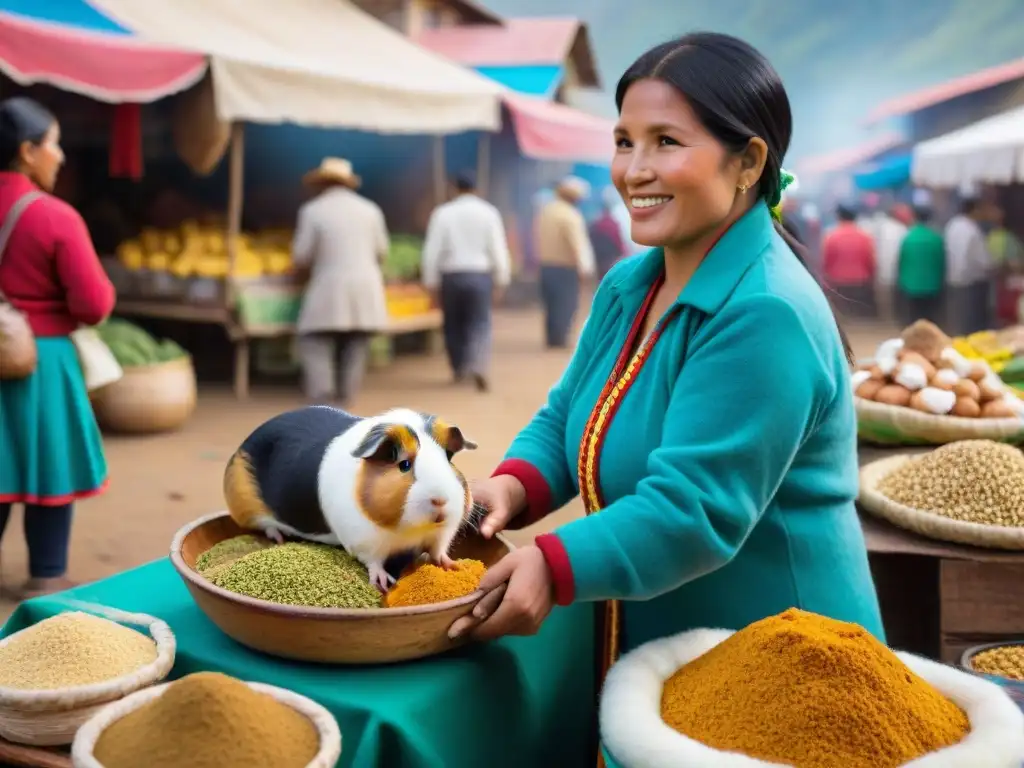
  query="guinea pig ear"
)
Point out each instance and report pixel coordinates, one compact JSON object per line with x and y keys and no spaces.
{"x":458,"y":441}
{"x":378,"y":445}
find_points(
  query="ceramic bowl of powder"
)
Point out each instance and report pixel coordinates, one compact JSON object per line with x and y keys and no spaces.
{"x":210,"y":720}
{"x":278,"y":623}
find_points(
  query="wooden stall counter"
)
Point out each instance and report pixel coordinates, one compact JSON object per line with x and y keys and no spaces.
{"x":938,"y":598}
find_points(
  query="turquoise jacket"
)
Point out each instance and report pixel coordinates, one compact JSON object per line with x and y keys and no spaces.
{"x":729,"y":472}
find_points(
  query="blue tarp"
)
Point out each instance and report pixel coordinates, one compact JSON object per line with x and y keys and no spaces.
{"x":539,"y":80}
{"x":72,"y":13}
{"x":891,"y":172}
{"x":599,"y":177}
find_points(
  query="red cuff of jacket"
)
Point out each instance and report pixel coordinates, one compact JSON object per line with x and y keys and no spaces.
{"x":561,"y":569}
{"x":538,"y":494}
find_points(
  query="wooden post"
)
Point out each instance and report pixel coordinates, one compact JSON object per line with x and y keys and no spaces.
{"x":440,"y":172}
{"x":236,"y":194}
{"x":483,"y":161}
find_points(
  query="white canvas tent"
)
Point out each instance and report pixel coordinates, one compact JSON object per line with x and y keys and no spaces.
{"x":988,"y":152}
{"x":316,"y":63}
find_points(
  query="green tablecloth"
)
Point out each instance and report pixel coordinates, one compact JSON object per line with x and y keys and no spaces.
{"x":516,"y":702}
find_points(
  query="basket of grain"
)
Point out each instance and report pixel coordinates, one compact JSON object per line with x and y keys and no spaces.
{"x":800,"y":689}
{"x":969,"y":492}
{"x":207,"y":719}
{"x":1002,"y":663}
{"x":58,"y":673}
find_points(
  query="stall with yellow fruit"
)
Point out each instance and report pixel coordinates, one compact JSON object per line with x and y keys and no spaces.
{"x":212,"y":272}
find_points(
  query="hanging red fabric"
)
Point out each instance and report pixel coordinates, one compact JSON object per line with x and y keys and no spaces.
{"x":126,"y":142}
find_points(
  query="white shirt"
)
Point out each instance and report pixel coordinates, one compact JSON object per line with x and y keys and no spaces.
{"x":466,"y":235}
{"x":888,"y":234}
{"x":967,"y":258}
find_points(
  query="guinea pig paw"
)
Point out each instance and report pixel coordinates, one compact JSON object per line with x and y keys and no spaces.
{"x":274,"y":535}
{"x":380,"y":578}
{"x":446,"y":562}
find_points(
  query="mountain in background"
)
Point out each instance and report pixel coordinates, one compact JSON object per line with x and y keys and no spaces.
{"x":837,"y":60}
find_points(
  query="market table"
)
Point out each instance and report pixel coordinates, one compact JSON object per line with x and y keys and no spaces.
{"x":939,"y":599}
{"x":514,"y":702}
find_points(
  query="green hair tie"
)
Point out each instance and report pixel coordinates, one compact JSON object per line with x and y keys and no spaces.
{"x":775,"y":204}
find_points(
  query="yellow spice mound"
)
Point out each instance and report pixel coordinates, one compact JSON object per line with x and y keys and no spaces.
{"x":428,"y":583}
{"x":72,"y":649}
{"x":811,"y":692}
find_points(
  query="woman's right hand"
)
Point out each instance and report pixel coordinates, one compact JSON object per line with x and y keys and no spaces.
{"x":503,"y":496}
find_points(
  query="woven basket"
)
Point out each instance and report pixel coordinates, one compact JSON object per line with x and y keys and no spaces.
{"x":326,"y":726}
{"x":634,"y":735}
{"x":148,"y":398}
{"x":51,"y":718}
{"x":895,"y":425}
{"x":930,"y":524}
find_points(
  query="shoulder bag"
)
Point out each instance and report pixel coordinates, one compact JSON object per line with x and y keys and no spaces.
{"x":17,"y":343}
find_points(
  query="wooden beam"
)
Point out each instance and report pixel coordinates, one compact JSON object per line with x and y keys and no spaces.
{"x":440,"y":171}
{"x":483,"y":162}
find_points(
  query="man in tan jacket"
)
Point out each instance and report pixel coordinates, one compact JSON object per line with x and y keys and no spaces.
{"x":566,"y":258}
{"x":341,"y":241}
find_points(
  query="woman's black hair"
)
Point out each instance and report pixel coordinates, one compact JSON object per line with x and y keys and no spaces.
{"x":737,"y":95}
{"x":21,"y":119}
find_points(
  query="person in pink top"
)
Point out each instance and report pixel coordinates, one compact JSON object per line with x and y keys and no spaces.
{"x":51,"y":451}
{"x":848,"y":265}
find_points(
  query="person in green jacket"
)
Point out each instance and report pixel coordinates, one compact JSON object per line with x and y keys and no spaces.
{"x":922,"y":271}
{"x":706,"y":418}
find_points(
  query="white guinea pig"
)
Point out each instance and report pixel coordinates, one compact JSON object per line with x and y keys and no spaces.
{"x":377,"y":486}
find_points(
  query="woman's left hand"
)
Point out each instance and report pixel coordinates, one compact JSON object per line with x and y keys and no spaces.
{"x":527,"y":598}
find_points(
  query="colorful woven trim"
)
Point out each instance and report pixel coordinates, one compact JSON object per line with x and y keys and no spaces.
{"x":624,"y":374}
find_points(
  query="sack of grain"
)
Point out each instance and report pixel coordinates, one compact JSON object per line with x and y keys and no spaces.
{"x":56,"y":674}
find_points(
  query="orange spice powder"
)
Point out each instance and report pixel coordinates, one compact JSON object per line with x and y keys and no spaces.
{"x":428,"y":583}
{"x":804,"y":690}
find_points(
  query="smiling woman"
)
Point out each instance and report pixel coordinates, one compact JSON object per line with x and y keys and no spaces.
{"x":706,"y":417}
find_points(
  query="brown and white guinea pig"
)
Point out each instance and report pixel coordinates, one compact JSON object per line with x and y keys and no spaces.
{"x":377,"y":486}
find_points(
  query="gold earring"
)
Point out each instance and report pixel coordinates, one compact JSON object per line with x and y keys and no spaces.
{"x":743,"y":188}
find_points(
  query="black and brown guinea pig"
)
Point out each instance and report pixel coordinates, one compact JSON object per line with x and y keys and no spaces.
{"x":378,"y":485}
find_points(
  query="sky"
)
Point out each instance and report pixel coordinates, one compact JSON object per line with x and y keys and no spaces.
{"x":838,"y":60}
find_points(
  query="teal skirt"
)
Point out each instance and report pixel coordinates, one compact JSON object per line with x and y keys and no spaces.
{"x":51,"y":451}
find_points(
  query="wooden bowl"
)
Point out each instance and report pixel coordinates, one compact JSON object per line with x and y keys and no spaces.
{"x":148,"y":399}
{"x":325,"y":635}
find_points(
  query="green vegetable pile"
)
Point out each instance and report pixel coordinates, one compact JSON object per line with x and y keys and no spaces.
{"x":294,"y":573}
{"x":403,"y":259}
{"x":133,"y":347}
{"x":1013,"y":372}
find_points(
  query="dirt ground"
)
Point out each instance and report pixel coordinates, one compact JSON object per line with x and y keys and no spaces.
{"x":160,"y":483}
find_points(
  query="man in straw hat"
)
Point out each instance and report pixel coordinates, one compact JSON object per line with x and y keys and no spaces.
{"x":566,"y":258}
{"x":341,"y":240}
{"x":466,"y":265}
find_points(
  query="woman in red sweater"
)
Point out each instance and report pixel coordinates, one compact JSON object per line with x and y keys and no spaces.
{"x":51,"y":449}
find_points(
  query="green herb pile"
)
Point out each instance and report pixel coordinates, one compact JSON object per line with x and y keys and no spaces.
{"x":222,"y":554}
{"x":294,"y":573}
{"x":403,"y":260}
{"x":133,"y":347}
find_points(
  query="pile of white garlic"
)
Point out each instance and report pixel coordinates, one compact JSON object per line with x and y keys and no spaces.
{"x":947,"y":384}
